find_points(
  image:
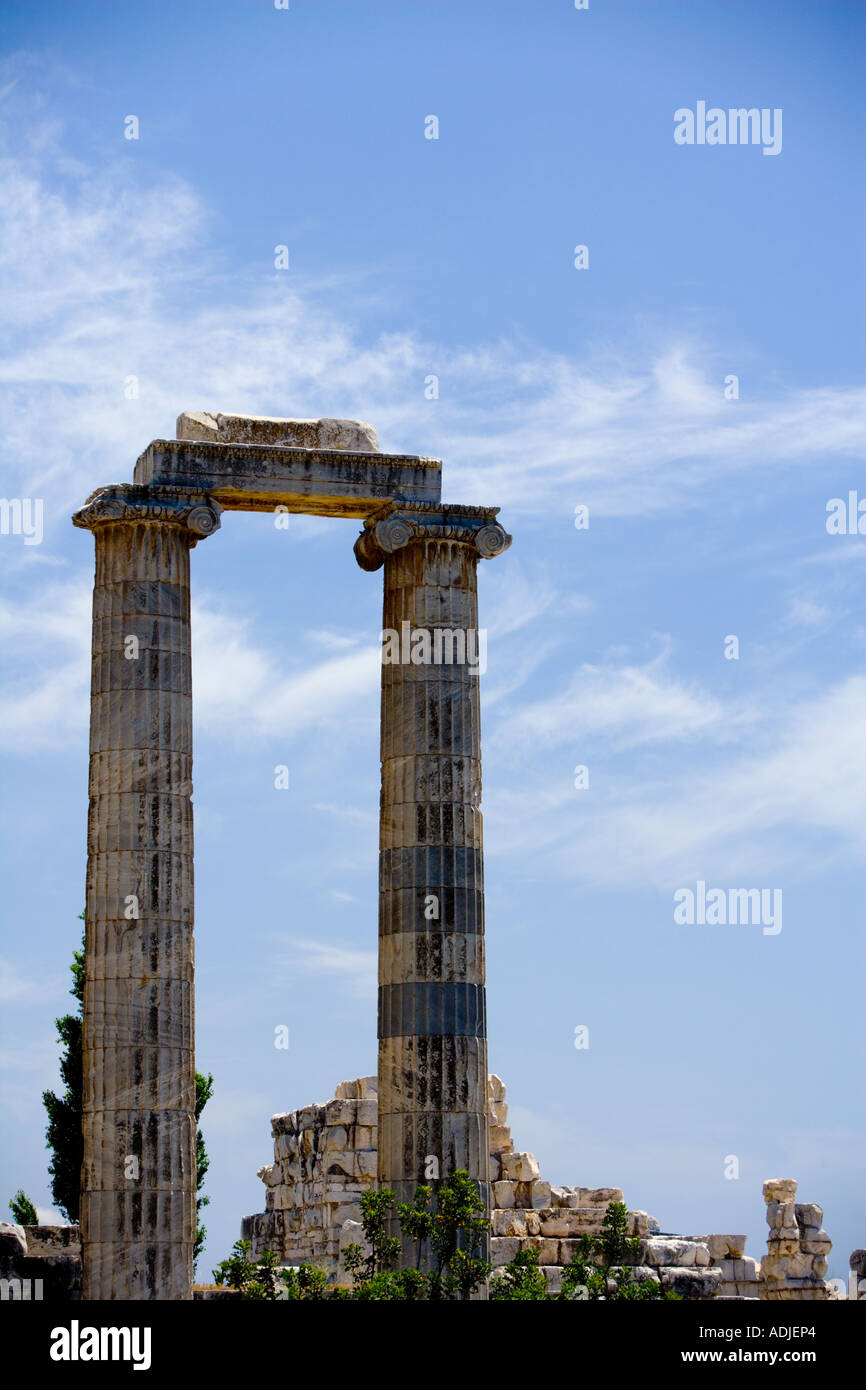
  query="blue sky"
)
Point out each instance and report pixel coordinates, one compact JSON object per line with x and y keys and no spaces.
{"x":558,"y":387}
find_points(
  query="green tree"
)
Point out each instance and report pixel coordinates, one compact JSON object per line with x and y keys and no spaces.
{"x":63,"y":1134}
{"x":601,"y":1267}
{"x":520,"y":1280}
{"x":23,"y":1209}
{"x":203,"y":1093}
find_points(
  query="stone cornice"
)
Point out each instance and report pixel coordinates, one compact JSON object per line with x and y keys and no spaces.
{"x":398,"y":524}
{"x":197,"y":512}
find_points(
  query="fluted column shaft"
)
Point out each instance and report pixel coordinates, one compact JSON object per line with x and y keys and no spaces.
{"x":139,"y":1174}
{"x":432,"y":1012}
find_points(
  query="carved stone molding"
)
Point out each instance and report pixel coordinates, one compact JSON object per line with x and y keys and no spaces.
{"x":195,"y":511}
{"x":396,"y":525}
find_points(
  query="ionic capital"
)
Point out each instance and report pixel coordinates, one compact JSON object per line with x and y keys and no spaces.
{"x":396,"y":525}
{"x":196,"y":512}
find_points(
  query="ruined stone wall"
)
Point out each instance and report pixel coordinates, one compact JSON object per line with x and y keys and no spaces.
{"x":325,"y":1157}
{"x":40,"y":1263}
{"x":795,"y":1264}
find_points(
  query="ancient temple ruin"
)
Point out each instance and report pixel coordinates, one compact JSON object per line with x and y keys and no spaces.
{"x":138,"y":1176}
{"x":325,"y":1157}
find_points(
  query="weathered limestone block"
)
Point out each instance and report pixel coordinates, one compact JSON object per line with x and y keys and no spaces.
{"x":780,"y":1190}
{"x":284,"y":1124}
{"x":503,"y":1194}
{"x":723,"y":1247}
{"x":520,"y":1167}
{"x":532,"y":1194}
{"x":691,"y":1283}
{"x":815,"y":1241}
{"x":739,"y":1270}
{"x":560,"y":1222}
{"x":318,"y":480}
{"x":597,"y":1196}
{"x":52,"y":1241}
{"x":13,"y":1241}
{"x":780,"y":1216}
{"x":509,"y":1223}
{"x":368,"y":1112}
{"x":495,"y":1089}
{"x":263,"y":429}
{"x":665,"y":1250}
{"x":503,"y":1249}
{"x":500,"y":1139}
{"x":808,"y":1214}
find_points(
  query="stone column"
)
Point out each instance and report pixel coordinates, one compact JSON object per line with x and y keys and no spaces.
{"x":138,"y":1176}
{"x":432,"y":1015}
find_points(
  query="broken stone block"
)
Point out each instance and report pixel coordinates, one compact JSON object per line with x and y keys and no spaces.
{"x":808,"y":1214}
{"x":597,"y":1196}
{"x":723,"y":1247}
{"x":692,"y":1283}
{"x":520,"y":1167}
{"x":550,"y":1252}
{"x":780,"y":1189}
{"x":368,"y":1111}
{"x":815,"y":1242}
{"x":220,"y":428}
{"x":503,"y":1194}
{"x":509,"y":1223}
{"x":503,"y":1249}
{"x":500,"y":1139}
{"x":495,"y":1089}
{"x":670,"y":1250}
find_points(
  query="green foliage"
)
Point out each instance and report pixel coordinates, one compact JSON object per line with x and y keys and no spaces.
{"x":23,"y":1209}
{"x":453,"y":1228}
{"x":63,"y":1134}
{"x":521,"y":1280}
{"x":600,"y":1267}
{"x":448,"y":1232}
{"x":203,"y":1093}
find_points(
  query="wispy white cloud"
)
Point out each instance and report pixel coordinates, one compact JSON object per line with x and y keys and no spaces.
{"x":625,"y":705}
{"x":48,"y":700}
{"x":748,"y":813}
{"x":121,"y":295}
{"x":356,"y":969}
